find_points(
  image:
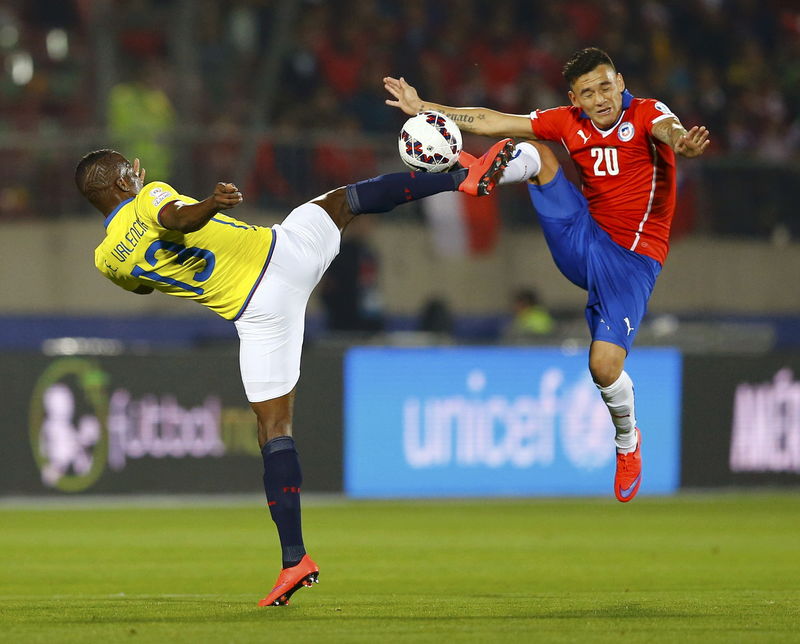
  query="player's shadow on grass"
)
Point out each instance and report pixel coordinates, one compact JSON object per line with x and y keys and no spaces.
{"x":136,"y":611}
{"x":211,"y":609}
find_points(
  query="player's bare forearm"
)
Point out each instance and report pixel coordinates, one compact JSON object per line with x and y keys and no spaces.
{"x":475,"y":120}
{"x":687,"y":143}
{"x":485,"y":122}
{"x":188,"y":218}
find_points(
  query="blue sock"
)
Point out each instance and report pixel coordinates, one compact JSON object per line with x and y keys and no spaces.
{"x":282,"y":481}
{"x":383,"y":193}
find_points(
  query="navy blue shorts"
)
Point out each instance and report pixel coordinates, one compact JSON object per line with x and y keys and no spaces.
{"x":619,"y":281}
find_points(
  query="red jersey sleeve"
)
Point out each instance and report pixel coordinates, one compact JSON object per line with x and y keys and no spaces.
{"x":552,"y":124}
{"x":651,"y":111}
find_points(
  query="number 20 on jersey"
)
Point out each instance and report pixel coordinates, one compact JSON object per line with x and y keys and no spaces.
{"x":605,"y":161}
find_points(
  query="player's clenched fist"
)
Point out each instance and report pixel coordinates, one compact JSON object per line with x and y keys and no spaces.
{"x":227,"y":195}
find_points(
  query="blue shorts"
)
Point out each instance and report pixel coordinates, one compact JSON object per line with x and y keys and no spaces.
{"x":619,"y":281}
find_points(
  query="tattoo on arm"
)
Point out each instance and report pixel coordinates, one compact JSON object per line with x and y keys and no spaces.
{"x":460,"y":118}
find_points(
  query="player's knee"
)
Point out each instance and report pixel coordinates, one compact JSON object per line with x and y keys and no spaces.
{"x":272,"y":428}
{"x":274,"y":419}
{"x":550,"y":164}
{"x":605,"y":371}
{"x":335,"y":204}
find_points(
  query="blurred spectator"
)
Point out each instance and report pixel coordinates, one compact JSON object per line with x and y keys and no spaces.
{"x":530,"y":318}
{"x":141,"y":120}
{"x":501,"y":53}
{"x":342,"y":55}
{"x":436,"y":317}
{"x":350,"y":291}
{"x":268,"y":185}
{"x":366,"y":104}
{"x":343,"y":156}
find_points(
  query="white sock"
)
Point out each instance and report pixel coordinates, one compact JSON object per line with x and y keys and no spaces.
{"x":525,"y":163}
{"x":618,"y":397}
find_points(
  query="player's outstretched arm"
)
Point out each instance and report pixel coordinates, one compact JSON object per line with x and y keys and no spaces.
{"x":188,"y":218}
{"x":693,"y":143}
{"x":476,"y":120}
{"x":689,"y":144}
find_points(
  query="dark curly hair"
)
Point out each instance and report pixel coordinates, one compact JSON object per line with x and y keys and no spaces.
{"x":584,"y":61}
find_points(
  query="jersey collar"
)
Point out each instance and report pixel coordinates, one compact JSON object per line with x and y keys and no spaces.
{"x":627,"y":97}
{"x":115,"y":211}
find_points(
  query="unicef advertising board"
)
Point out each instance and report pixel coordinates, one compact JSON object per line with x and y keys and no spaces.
{"x":499,"y":421}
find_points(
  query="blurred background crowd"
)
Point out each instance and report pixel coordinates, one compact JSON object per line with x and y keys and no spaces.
{"x":288,"y":93}
{"x":286,"y":99}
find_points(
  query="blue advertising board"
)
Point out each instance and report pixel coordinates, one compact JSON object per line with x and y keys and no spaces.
{"x":499,"y":421}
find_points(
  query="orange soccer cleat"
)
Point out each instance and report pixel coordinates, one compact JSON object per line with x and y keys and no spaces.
{"x":483,"y":171}
{"x":291,"y":579}
{"x":629,"y":472}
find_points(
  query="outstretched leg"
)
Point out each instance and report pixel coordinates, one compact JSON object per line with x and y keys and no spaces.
{"x":387,"y":191}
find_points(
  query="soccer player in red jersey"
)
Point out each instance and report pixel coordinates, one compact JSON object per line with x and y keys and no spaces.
{"x":610,"y":238}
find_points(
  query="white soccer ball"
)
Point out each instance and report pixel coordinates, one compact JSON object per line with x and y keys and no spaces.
{"x":429,"y":142}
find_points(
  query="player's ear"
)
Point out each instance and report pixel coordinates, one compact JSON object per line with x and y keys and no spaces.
{"x":573,"y":98}
{"x":620,"y":82}
{"x":124,"y":184}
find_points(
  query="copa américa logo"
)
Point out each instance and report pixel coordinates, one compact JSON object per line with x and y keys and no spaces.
{"x":68,"y":424}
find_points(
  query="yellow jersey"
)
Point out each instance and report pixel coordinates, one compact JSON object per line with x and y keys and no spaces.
{"x":219,"y":265}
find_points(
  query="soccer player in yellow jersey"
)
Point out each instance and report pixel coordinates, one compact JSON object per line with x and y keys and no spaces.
{"x":260,"y":278}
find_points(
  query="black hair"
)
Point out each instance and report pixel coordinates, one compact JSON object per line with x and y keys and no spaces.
{"x":93,"y":173}
{"x":584,"y":61}
{"x":83,"y":179}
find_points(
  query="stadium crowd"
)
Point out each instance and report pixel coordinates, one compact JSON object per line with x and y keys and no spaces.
{"x":733,"y":65}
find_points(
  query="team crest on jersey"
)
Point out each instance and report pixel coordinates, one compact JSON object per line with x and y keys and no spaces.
{"x":625,"y":131}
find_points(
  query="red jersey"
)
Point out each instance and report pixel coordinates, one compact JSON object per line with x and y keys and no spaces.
{"x":627,"y":175}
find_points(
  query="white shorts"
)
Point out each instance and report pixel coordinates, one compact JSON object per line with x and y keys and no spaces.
{"x":271,"y":327}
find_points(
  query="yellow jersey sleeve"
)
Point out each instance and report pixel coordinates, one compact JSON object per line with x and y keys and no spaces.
{"x":218,"y":266}
{"x":155,"y":196}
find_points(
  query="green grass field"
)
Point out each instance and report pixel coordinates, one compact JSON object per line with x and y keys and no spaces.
{"x":694,"y":568}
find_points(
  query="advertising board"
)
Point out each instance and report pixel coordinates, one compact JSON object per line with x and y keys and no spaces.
{"x":499,"y":421}
{"x":741,"y":420}
{"x":172,"y":422}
